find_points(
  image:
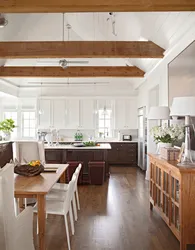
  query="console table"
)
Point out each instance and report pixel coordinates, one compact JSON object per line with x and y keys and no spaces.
{"x":172,"y":195}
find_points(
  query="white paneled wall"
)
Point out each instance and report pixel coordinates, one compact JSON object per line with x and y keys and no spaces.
{"x":159,"y":76}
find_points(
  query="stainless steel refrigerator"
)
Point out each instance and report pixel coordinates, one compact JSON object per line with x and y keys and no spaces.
{"x":142,"y":138}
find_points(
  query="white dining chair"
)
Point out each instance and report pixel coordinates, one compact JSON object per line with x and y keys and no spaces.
{"x":59,"y":190}
{"x":26,"y":151}
{"x":16,"y":232}
{"x":58,"y":207}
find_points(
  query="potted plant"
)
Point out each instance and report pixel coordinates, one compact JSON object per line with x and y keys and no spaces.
{"x":166,"y":135}
{"x":7,"y":127}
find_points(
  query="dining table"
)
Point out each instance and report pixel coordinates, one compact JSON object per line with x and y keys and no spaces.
{"x":37,"y":187}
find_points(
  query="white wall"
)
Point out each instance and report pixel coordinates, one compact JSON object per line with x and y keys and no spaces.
{"x":159,"y":76}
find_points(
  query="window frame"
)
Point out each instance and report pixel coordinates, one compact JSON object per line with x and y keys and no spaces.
{"x":104,"y":128}
{"x":22,"y":123}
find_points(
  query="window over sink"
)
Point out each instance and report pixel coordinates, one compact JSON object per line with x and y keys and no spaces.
{"x":104,"y":123}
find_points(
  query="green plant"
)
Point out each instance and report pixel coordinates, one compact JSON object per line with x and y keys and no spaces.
{"x":7,"y":125}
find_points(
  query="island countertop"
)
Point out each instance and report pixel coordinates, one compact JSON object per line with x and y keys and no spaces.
{"x":103,"y":146}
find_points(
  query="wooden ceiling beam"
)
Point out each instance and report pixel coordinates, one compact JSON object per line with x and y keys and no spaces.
{"x":54,"y":6}
{"x":124,"y":71}
{"x":81,"y":49}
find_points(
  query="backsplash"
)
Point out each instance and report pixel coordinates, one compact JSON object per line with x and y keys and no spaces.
{"x":68,"y":134}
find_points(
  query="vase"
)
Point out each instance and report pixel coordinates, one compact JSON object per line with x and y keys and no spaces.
{"x":7,"y":135}
{"x":163,"y":145}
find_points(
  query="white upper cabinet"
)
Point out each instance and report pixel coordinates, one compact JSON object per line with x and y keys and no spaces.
{"x":59,"y":114}
{"x":82,"y":114}
{"x":46,"y":110}
{"x":131,"y":114}
{"x":87,"y":114}
{"x":120,"y":113}
{"x":126,"y":114}
{"x":73,"y":114}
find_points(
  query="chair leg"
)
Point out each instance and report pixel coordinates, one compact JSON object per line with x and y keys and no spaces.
{"x":37,"y":225}
{"x":25,"y":202}
{"x":16,"y":206}
{"x":67,"y":231}
{"x":71,"y":219}
{"x":77,"y":195}
{"x":74,"y":207}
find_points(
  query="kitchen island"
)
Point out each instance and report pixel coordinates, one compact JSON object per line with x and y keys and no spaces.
{"x":67,"y":153}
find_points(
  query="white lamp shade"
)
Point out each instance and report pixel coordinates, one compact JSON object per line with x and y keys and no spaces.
{"x":159,"y":113}
{"x":183,"y":106}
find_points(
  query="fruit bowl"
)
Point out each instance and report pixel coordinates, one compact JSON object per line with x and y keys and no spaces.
{"x":30,"y":169}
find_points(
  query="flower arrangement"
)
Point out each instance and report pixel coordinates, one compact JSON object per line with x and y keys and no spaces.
{"x":167,"y":134}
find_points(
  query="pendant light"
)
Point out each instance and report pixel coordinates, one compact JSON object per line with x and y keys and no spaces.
{"x":41,"y":112}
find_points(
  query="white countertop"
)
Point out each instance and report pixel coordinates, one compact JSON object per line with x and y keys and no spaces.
{"x":101,"y":147}
{"x":1,"y":142}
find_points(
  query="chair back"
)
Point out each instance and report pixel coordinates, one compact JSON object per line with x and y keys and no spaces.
{"x":7,"y":213}
{"x":69,"y":193}
{"x":28,"y":151}
{"x":77,"y":172}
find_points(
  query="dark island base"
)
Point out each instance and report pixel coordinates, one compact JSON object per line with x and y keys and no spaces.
{"x":119,"y":154}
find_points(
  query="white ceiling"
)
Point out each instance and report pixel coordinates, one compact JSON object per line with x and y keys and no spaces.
{"x":164,"y":29}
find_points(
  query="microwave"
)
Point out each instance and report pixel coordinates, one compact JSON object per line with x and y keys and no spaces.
{"x":127,"y":137}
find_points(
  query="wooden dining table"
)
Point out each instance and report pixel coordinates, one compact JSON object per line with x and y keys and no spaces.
{"x":38,"y":187}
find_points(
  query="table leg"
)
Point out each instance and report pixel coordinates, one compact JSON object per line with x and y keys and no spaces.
{"x":41,"y":221}
{"x":63,"y":178}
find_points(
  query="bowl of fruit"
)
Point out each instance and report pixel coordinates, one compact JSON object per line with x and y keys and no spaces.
{"x":30,"y":169}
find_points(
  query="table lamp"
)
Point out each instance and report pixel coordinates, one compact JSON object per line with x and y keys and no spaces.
{"x":185,"y":106}
{"x":159,"y":113}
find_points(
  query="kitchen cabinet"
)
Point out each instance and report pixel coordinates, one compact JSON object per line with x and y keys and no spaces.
{"x":46,"y":111}
{"x":87,"y":114}
{"x":123,"y":153}
{"x":59,"y":114}
{"x":126,"y":114}
{"x":73,"y":114}
{"x":85,"y":156}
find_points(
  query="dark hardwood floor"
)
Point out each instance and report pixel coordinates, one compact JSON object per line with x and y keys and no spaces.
{"x":114,"y":216}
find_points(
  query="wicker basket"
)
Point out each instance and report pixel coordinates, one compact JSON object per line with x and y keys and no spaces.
{"x":27,"y":170}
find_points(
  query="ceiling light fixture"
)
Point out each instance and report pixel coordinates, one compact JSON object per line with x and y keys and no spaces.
{"x":41,"y":112}
{"x":3,"y":21}
{"x":113,"y":22}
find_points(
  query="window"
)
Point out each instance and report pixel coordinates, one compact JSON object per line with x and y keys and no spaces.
{"x":104,"y":123}
{"x":28,"y":124}
{"x":11,"y":115}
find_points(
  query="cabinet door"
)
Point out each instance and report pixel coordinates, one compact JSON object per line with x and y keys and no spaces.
{"x":87,"y":117}
{"x":45,"y":117}
{"x":131,"y":114}
{"x":120,"y":121}
{"x":113,"y":154}
{"x":59,"y":114}
{"x":73,"y":118}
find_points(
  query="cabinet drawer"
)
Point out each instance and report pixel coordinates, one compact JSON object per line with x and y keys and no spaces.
{"x":53,"y":156}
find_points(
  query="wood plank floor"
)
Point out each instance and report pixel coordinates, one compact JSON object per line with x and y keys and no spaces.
{"x":114,"y":216}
